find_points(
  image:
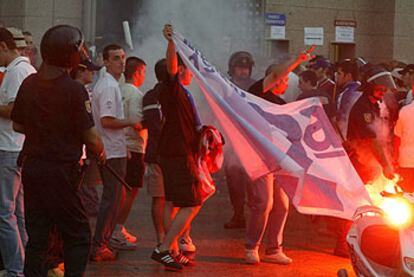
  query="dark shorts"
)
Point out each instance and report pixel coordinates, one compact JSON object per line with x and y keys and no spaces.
{"x":181,"y":187}
{"x":135,"y":170}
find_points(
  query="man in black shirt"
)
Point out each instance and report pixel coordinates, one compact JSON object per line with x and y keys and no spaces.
{"x":268,"y":202}
{"x":53,"y":111}
{"x":177,"y":149}
{"x":275,"y":82}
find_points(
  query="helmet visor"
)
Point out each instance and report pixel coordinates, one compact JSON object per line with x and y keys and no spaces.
{"x":383,"y":79}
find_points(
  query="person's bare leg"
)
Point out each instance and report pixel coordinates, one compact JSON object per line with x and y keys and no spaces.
{"x":157,"y":213}
{"x":186,"y":233}
{"x":180,"y":223}
{"x":170,"y":213}
{"x":127,"y":205}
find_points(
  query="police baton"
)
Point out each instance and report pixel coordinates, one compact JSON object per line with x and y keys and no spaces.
{"x":112,"y":171}
{"x":119,"y":178}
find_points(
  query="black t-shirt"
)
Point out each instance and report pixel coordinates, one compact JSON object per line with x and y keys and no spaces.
{"x":326,"y":100}
{"x":361,"y":119}
{"x":54,"y":113}
{"x":179,"y":133}
{"x":257,"y":89}
{"x":153,"y":121}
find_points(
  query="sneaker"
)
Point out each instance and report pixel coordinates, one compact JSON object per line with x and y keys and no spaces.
{"x":184,"y":260}
{"x":103,"y":254}
{"x":235,"y":223}
{"x":277,"y":258}
{"x":166,"y":259}
{"x":252,"y":256}
{"x":186,"y":244}
{"x":128,"y":236}
{"x":121,"y":243}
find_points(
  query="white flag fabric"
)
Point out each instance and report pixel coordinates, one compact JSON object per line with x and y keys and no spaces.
{"x":295,"y":141}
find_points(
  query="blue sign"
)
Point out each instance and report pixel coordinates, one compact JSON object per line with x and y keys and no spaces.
{"x":276,"y":19}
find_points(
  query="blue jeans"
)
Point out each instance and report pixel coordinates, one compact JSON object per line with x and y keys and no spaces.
{"x":269,"y":207}
{"x":13,"y":236}
{"x":112,"y":200}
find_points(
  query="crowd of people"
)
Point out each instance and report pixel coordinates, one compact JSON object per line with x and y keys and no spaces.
{"x":69,"y":124}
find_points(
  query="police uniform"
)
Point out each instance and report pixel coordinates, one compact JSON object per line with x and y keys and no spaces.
{"x":361,"y":130}
{"x":54,"y":113}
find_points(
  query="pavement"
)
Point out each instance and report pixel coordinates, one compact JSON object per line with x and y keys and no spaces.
{"x":220,"y":252}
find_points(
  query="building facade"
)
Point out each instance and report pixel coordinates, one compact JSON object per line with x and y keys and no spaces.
{"x":383,"y":29}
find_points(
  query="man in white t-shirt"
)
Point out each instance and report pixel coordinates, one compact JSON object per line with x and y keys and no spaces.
{"x":136,"y":141}
{"x":108,"y":114}
{"x":404,"y":147}
{"x":13,"y":235}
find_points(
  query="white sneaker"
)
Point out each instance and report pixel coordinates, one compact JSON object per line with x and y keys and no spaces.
{"x":128,"y":236}
{"x":186,"y":244}
{"x":278,"y":258}
{"x":119,"y":242}
{"x":252,"y":256}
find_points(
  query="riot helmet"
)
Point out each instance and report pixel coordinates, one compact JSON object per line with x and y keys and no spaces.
{"x":242,"y":59}
{"x":360,"y":61}
{"x":62,"y":46}
{"x":372,"y":75}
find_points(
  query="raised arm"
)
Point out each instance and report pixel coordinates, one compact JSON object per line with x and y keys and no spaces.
{"x":171,"y":55}
{"x":285,"y":68}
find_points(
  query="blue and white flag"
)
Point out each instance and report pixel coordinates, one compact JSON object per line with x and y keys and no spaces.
{"x":295,"y":141}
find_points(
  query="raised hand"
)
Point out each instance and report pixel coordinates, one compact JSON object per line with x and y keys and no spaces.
{"x":168,"y":31}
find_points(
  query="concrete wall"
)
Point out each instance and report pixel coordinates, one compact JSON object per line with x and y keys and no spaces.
{"x":374,"y":34}
{"x":37,"y":16}
{"x":404,"y":31}
{"x":385,"y":28}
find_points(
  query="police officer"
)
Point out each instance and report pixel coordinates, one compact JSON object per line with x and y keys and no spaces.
{"x":240,"y":69}
{"x":367,"y":152}
{"x":369,"y":157}
{"x":54,"y":113}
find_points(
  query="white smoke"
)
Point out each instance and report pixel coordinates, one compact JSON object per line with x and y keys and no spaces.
{"x":218,"y":28}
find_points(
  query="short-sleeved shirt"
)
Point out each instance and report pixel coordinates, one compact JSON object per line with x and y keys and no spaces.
{"x":132,"y":99}
{"x":257,"y":89}
{"x":55,"y":113}
{"x":404,"y":128}
{"x":179,"y":134}
{"x":362,"y":119}
{"x":15,"y":73}
{"x":107,"y":102}
{"x":153,"y":120}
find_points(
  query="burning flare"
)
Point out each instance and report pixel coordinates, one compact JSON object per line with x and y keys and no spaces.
{"x":398,"y":211}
